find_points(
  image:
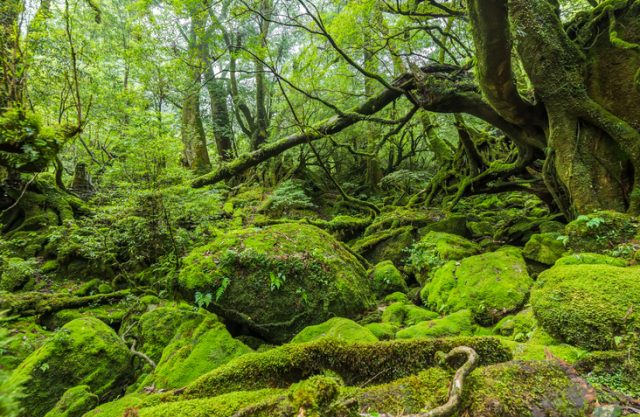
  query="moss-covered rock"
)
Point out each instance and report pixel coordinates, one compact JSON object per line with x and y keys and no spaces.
{"x":435,"y":249}
{"x":518,"y":327}
{"x":383,"y":331}
{"x":198,"y":346}
{"x":490,"y":285}
{"x":511,"y":389}
{"x":406,"y":314}
{"x":590,"y":259}
{"x":336,"y":328}
{"x":74,"y":402}
{"x":545,"y":248}
{"x":277,"y":280}
{"x":455,"y":324}
{"x":83,"y":352}
{"x":386,"y":279}
{"x":588,"y":305}
{"x":600,"y":231}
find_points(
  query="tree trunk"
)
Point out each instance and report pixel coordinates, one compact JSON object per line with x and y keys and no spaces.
{"x":195,"y":153}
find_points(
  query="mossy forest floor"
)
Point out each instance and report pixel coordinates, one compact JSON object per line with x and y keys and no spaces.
{"x":259,"y":302}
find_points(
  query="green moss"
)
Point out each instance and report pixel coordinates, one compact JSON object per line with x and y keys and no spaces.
{"x":490,"y":285}
{"x":518,"y":327}
{"x":84,"y":352}
{"x":511,"y":389}
{"x":387,"y":279}
{"x":455,"y":324}
{"x":391,"y":245}
{"x":221,"y":406}
{"x":197,"y":348}
{"x":525,"y":389}
{"x":590,"y":259}
{"x":383,"y":331}
{"x":406,"y":314}
{"x":156,"y":328}
{"x":74,"y":402}
{"x":355,"y":363}
{"x":544,"y":248}
{"x":110,"y":314}
{"x":27,"y":336}
{"x":117,"y":408}
{"x":396,"y":297}
{"x":15,"y":273}
{"x":536,"y":352}
{"x":435,"y":249}
{"x":588,"y":305}
{"x":336,"y":328}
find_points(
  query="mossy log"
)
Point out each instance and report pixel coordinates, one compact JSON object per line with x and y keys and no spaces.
{"x":37,"y":303}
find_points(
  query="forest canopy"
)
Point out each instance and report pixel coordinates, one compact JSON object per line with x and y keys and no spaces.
{"x":253,"y":175}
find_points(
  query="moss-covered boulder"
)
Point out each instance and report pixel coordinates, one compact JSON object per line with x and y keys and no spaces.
{"x":490,"y":285}
{"x":386,"y":279}
{"x":455,"y":324}
{"x":435,"y":249}
{"x":511,"y":389}
{"x":545,"y":248}
{"x":404,"y":313}
{"x":74,"y":402}
{"x":590,"y":259}
{"x":588,"y":305}
{"x":83,"y":352}
{"x":336,"y":328}
{"x":600,"y":231}
{"x":383,"y":331}
{"x":277,"y":280}
{"x":200,"y":343}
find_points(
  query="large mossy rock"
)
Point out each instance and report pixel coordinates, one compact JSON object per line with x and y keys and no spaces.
{"x":199,"y":344}
{"x":386,"y":279}
{"x":336,"y":328}
{"x":490,"y":285}
{"x":510,"y":389}
{"x":83,"y":352}
{"x":74,"y":402}
{"x":437,"y":248}
{"x":588,"y":305}
{"x":459,"y":323}
{"x":601,"y":231}
{"x":277,"y":280}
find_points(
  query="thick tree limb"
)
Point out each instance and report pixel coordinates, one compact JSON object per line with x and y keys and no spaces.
{"x":333,"y":125}
{"x":35,"y":303}
{"x":491,"y":36}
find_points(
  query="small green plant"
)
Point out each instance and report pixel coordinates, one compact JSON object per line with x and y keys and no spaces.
{"x":203,"y":299}
{"x":44,"y":367}
{"x":277,"y":279}
{"x":595,"y":222}
{"x":221,"y":289}
{"x":564,"y":239}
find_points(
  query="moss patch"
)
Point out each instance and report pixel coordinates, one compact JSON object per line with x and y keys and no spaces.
{"x":387,"y":279}
{"x":455,"y":324}
{"x":544,"y":248}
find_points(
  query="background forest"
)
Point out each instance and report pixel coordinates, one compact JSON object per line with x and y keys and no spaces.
{"x":319,"y":207}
